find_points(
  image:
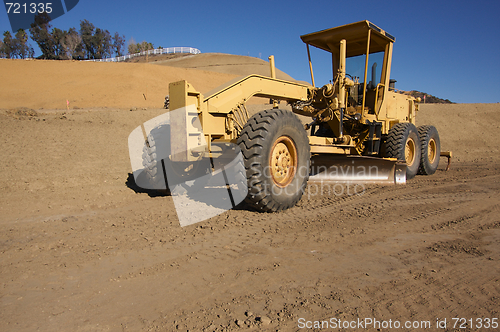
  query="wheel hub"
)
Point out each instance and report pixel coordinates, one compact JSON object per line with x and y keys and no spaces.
{"x":432,"y":151}
{"x":410,"y":152}
{"x":283,"y":162}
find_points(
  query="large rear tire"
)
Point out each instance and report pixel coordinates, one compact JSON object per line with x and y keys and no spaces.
{"x":431,"y":149}
{"x":276,"y":152}
{"x":403,"y":143}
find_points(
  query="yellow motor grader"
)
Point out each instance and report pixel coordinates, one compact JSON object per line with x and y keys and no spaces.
{"x":358,"y":120}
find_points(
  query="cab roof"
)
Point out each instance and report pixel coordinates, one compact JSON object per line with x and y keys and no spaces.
{"x":356,"y":36}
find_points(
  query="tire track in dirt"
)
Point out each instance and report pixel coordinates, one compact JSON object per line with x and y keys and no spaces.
{"x":390,"y":304}
{"x":239,"y":246}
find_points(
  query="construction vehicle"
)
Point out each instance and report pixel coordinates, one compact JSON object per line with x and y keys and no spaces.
{"x":357,"y":119}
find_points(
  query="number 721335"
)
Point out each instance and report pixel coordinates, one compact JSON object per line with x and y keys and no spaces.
{"x":32,"y":8}
{"x":478,"y":323}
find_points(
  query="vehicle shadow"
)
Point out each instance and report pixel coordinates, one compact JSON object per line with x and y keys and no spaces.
{"x":131,"y":184}
{"x":207,"y":199}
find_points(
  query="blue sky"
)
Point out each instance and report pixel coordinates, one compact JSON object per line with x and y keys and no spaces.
{"x":450,"y":49}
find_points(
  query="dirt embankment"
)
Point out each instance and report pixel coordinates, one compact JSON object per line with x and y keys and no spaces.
{"x":225,"y":63}
{"x":83,"y":249}
{"x":50,"y":84}
{"x":471,"y":131}
{"x":41,"y":84}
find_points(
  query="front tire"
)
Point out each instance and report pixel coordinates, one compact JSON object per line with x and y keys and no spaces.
{"x":276,"y":152}
{"x":403,"y":143}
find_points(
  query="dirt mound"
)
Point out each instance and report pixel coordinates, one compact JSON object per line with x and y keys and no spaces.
{"x":43,"y":84}
{"x":80,"y":84}
{"x":22,"y":112}
{"x":471,"y":131}
{"x":225,"y":63}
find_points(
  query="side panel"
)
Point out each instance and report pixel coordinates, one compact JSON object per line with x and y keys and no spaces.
{"x":399,"y":107}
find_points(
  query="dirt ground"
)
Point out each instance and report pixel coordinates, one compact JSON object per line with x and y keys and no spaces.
{"x":83,"y":249}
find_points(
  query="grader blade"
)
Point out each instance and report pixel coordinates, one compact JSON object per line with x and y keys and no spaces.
{"x":356,"y":169}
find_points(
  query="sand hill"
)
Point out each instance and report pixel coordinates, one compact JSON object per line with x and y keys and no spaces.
{"x":225,"y":63}
{"x":50,"y":84}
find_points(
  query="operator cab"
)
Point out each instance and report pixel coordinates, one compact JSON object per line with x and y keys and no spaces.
{"x":368,"y":53}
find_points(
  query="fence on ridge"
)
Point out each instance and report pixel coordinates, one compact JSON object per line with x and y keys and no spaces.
{"x":155,"y":51}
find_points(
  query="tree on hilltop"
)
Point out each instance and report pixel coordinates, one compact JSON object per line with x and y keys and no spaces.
{"x":87,"y":43}
{"x":15,"y":47}
{"x":131,"y":46}
{"x":134,"y":47}
{"x":41,"y":34}
{"x":58,"y":37}
{"x":23,"y":48}
{"x":102,"y":43}
{"x":87,"y":30}
{"x":98,"y":43}
{"x":145,"y":46}
{"x":72,"y":44}
{"x":8,"y":45}
{"x":118,"y":43}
